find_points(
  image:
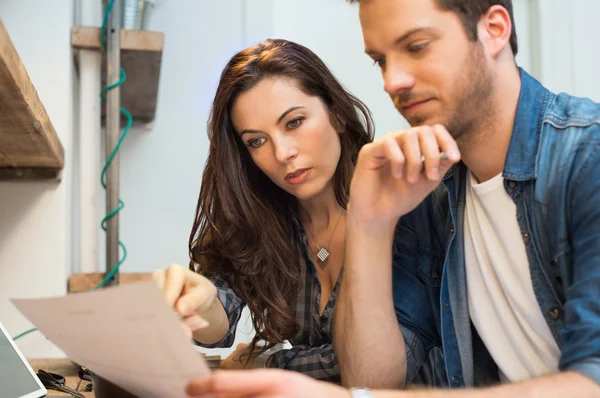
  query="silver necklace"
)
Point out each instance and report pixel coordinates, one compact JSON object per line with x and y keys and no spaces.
{"x":323,"y":252}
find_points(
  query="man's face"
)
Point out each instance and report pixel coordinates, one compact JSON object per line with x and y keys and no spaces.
{"x":431,"y":70}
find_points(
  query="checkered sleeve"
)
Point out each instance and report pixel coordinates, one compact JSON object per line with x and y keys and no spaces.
{"x":317,"y":362}
{"x":233,"y":306}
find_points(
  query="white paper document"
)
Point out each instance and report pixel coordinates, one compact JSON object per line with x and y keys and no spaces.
{"x":127,"y":335}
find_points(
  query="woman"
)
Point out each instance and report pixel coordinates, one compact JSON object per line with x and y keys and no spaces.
{"x":269,"y":230}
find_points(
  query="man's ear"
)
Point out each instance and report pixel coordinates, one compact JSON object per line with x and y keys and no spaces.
{"x":494,"y":30}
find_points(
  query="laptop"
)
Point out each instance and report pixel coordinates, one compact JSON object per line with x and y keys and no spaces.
{"x":17,"y":378}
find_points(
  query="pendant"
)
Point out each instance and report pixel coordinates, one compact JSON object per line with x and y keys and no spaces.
{"x":322,"y":254}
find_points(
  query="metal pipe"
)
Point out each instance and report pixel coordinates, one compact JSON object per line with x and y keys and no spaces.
{"x":113,"y":129}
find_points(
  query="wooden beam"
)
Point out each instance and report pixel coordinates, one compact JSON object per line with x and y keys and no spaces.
{"x":85,"y":282}
{"x":34,"y":174}
{"x":88,"y":37}
{"x":27,"y":137}
{"x":141,"y":57}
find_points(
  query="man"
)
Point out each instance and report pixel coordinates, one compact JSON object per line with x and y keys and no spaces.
{"x":495,"y":273}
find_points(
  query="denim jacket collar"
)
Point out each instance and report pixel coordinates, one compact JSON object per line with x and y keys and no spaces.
{"x":522,"y":156}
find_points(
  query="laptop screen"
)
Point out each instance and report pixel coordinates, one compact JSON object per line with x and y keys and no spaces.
{"x":16,"y":378}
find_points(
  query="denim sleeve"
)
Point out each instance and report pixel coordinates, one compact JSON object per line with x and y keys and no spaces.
{"x":317,"y":362}
{"x":581,"y":333}
{"x":233,"y":306}
{"x":413,"y":310}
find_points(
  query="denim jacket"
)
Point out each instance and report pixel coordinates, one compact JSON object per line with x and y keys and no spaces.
{"x":552,"y":173}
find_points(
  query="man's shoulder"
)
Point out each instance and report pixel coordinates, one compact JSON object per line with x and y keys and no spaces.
{"x":570,"y":132}
{"x":570,"y":140}
{"x":567,"y":111}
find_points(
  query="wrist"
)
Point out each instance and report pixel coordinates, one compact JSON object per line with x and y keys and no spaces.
{"x":371,"y":226}
{"x":366,"y":229}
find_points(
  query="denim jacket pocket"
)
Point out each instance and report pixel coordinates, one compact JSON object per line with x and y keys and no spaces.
{"x":430,"y":266}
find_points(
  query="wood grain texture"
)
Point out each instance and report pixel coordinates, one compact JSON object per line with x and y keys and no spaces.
{"x":27,"y":137}
{"x":29,"y":174}
{"x":141,"y":58}
{"x":87,"y":281}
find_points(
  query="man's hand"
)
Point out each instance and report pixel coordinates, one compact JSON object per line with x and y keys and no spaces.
{"x":391,"y":179}
{"x":263,"y":383}
{"x":277,"y":383}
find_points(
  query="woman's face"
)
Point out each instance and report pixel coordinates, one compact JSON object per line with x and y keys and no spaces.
{"x":289,"y":136}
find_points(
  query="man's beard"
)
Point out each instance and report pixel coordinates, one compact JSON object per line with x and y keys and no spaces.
{"x":472,"y":98}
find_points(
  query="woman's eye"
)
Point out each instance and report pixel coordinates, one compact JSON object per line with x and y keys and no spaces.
{"x":379,"y":62}
{"x":295,"y":123}
{"x":255,"y":143}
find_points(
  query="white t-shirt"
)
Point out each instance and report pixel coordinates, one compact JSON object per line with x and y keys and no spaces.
{"x":502,"y":303}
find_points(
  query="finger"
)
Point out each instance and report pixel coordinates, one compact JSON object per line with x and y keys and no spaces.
{"x":431,"y":153}
{"x":174,"y":282}
{"x":395,"y":156}
{"x":447,"y":144}
{"x":412,"y":151}
{"x":195,"y":322}
{"x":159,"y":277}
{"x":197,"y":299}
{"x":258,"y":382}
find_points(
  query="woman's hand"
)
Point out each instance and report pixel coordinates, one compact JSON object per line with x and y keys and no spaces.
{"x":188,"y":292}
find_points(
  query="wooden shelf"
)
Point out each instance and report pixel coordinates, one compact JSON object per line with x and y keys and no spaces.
{"x":29,"y":146}
{"x":87,"y":281}
{"x":141,"y":56}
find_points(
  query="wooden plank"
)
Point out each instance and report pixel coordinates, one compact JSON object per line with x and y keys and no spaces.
{"x":26,"y":174}
{"x":27,"y":137}
{"x":141,"y":58}
{"x":87,"y":281}
{"x":139,"y":93}
{"x":88,"y":37}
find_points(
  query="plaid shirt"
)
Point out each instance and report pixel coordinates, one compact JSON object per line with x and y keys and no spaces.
{"x":312,"y":350}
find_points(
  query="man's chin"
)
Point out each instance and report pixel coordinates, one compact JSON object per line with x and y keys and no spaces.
{"x":419,"y":121}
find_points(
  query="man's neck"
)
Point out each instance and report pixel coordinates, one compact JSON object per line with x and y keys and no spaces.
{"x":484,"y":152}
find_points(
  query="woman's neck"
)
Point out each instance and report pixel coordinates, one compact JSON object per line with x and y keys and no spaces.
{"x":321,"y":210}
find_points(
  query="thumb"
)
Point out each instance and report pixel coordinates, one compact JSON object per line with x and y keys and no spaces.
{"x":196,"y":300}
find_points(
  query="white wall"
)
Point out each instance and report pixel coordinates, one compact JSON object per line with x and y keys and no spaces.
{"x":35,"y":218}
{"x":569,"y":57}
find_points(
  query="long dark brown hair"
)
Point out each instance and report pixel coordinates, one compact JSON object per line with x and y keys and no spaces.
{"x":243,"y":228}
